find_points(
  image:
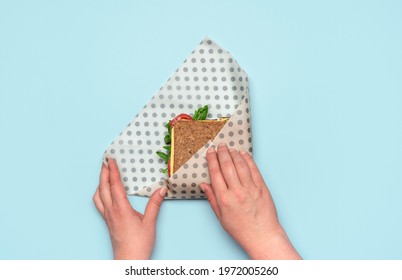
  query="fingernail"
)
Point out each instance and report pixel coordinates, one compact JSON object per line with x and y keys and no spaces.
{"x":163,"y":191}
{"x":231,"y":149}
{"x":222,"y":145}
{"x":243,"y":152}
{"x":210,"y":150}
{"x":202,"y":187}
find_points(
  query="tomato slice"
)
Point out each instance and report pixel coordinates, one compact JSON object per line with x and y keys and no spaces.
{"x":180,"y":117}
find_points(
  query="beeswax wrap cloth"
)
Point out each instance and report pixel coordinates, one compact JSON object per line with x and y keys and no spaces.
{"x":209,"y":76}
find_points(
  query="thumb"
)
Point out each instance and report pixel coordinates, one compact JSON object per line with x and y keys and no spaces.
{"x":154,"y":204}
{"x":207,"y":189}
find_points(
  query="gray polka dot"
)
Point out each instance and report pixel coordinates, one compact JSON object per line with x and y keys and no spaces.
{"x":204,"y":175}
{"x":231,"y":143}
{"x":124,"y":170}
{"x":135,"y":188}
{"x":142,"y":160}
{"x":144,"y":179}
{"x":112,"y":151}
{"x":241,"y":142}
{"x":126,"y":188}
{"x":129,"y":132}
{"x":230,"y":124}
{"x":123,"y":160}
{"x":185,"y":166}
{"x":194,"y":175}
{"x":195,"y":165}
{"x":149,"y":189}
{"x":239,"y":122}
{"x":130,"y":142}
{"x":125,"y":179}
{"x":184,"y":175}
{"x":231,"y":133}
{"x":193,"y":185}
{"x":134,"y":179}
{"x":240,"y":132}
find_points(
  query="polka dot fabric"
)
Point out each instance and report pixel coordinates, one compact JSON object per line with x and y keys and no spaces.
{"x":209,"y":76}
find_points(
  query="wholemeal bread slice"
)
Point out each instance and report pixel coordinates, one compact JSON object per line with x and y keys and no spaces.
{"x":188,"y":136}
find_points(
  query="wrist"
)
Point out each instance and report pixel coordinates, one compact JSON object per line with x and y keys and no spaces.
{"x":130,"y":253}
{"x":274,"y":244}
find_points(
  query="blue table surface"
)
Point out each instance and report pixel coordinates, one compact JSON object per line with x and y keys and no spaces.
{"x":326,"y":97}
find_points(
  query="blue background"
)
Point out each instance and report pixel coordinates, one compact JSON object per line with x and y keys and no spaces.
{"x":326,"y":96}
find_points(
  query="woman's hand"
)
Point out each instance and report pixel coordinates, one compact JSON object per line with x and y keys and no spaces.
{"x":243,"y":204}
{"x":132,"y":233}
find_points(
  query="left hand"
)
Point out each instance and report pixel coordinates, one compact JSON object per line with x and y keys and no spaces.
{"x":132,"y":233}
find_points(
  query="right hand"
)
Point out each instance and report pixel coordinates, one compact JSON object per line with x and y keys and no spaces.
{"x":243,"y":204}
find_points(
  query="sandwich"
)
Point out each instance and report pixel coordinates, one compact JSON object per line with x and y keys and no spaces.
{"x":186,"y":135}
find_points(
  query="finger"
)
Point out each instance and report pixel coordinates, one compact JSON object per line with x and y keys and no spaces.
{"x":98,"y":202}
{"x":255,"y":172}
{"x":227,"y":166}
{"x":209,"y":192}
{"x":217,"y":181}
{"x":242,"y":169}
{"x":104,"y":187}
{"x":117,"y":191}
{"x":154,"y":204}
